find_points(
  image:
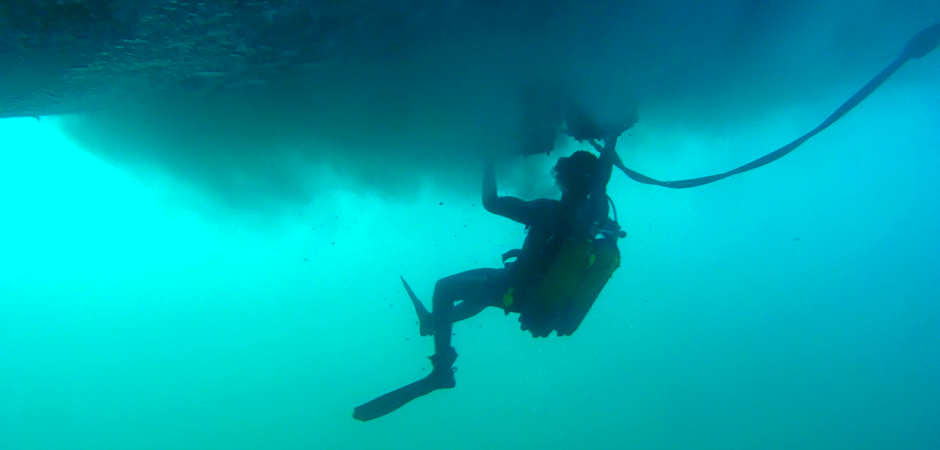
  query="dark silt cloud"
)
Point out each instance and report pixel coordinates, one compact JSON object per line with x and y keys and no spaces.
{"x":493,"y":76}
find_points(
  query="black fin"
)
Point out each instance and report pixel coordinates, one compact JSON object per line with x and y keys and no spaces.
{"x":391,"y":401}
{"x":424,"y":316}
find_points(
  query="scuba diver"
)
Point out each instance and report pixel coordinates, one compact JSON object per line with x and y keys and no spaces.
{"x":563,"y":264}
{"x":567,"y":257}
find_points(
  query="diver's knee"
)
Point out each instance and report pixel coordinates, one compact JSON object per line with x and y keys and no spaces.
{"x":444,"y":289}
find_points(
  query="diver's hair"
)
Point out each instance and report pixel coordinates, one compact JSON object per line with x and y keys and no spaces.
{"x":574,"y":174}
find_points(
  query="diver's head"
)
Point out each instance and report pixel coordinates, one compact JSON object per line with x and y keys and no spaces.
{"x":574,"y":174}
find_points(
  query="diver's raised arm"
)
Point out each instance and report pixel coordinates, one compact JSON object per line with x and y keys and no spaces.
{"x":510,"y":207}
{"x":503,"y":206}
{"x":606,"y":162}
{"x":608,"y":159}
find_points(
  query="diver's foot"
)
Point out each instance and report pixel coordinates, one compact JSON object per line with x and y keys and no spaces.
{"x":442,"y":379}
{"x":425,"y":319}
{"x":443,"y":373}
{"x":425,"y":323}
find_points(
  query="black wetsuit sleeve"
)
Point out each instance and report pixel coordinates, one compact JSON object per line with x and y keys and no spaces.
{"x":597,"y":198}
{"x":532,"y":213}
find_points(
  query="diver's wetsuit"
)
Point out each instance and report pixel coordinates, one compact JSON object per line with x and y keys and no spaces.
{"x":479,"y":288}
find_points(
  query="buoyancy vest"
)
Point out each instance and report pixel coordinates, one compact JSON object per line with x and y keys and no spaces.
{"x":561,"y":274}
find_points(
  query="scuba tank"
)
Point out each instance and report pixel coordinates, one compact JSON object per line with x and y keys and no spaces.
{"x":563,"y":291}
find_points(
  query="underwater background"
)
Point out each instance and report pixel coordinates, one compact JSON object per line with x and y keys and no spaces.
{"x":795,"y":306}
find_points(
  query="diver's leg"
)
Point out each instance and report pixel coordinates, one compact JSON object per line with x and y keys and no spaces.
{"x":462,"y":311}
{"x":471,"y":302}
{"x":467,"y":309}
{"x":477,"y":288}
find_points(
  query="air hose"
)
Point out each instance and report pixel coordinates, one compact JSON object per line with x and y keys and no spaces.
{"x":918,"y":46}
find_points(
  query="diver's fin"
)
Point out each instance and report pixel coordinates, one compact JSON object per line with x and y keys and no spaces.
{"x":424,"y":316}
{"x":923,"y":42}
{"x":399,"y":397}
{"x":414,"y":298}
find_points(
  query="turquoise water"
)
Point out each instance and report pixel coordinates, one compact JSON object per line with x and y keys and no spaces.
{"x":791,"y":307}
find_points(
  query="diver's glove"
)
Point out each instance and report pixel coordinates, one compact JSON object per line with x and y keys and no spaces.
{"x":582,"y":126}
